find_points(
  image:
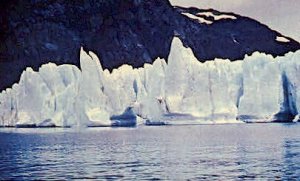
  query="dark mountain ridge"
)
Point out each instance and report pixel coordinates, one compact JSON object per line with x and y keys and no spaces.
{"x":34,"y":32}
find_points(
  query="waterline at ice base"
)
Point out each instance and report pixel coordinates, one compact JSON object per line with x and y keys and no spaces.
{"x":182,"y":90}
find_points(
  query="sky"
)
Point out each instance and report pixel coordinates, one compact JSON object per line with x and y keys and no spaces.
{"x":280,"y":15}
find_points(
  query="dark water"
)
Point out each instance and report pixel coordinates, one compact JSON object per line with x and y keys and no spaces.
{"x":215,"y":152}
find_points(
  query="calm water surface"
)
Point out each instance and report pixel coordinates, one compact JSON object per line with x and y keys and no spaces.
{"x":214,"y":152}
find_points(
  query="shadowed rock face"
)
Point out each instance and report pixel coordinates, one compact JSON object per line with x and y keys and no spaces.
{"x":34,"y":32}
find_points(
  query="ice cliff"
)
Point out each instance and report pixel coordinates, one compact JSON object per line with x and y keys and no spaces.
{"x":258,"y":88}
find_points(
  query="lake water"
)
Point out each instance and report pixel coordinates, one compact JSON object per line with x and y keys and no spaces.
{"x":214,"y":152}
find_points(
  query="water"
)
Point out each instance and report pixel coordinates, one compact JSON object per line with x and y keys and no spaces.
{"x":214,"y":152}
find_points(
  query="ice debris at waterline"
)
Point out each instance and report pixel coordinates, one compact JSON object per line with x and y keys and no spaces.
{"x":258,"y":89}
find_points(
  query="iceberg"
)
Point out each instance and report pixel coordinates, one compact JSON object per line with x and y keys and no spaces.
{"x":182,"y":90}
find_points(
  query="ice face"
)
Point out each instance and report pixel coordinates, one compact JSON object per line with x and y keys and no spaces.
{"x":259,"y":88}
{"x":270,"y":88}
{"x":290,"y":66}
{"x":204,"y":90}
{"x":263,"y":91}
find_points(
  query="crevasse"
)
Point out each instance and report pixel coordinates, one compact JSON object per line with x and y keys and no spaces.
{"x":259,"y":88}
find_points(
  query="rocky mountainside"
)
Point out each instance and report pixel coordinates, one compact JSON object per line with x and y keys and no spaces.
{"x":34,"y":32}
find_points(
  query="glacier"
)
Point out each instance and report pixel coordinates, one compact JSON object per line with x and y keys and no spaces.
{"x":259,"y":88}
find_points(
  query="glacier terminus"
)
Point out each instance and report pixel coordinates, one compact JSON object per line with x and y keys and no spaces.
{"x":182,"y":90}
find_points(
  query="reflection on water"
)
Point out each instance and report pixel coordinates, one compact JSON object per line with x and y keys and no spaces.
{"x":215,"y":152}
{"x":291,"y":166}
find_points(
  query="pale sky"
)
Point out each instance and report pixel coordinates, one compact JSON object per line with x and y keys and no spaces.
{"x":280,"y":15}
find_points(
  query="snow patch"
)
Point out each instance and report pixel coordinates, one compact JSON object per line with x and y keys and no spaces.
{"x":282,"y":39}
{"x":199,"y":19}
{"x":216,"y":17}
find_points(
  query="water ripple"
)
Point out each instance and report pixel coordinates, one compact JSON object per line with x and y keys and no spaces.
{"x":223,"y":152}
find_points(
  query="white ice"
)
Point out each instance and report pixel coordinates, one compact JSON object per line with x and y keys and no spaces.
{"x":184,"y":90}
